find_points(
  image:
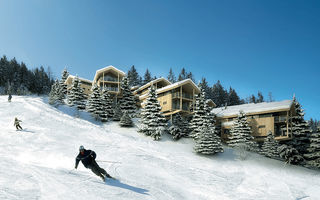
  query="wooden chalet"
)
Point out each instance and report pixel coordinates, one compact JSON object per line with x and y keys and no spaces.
{"x":109,"y":78}
{"x":262,"y":117}
{"x":173,"y":98}
{"x":85,"y":84}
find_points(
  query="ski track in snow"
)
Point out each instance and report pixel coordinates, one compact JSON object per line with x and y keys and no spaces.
{"x":38,"y":162}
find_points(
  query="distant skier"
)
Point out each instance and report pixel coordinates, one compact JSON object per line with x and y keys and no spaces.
{"x":17,"y":123}
{"x":9,"y":97}
{"x":87,"y":158}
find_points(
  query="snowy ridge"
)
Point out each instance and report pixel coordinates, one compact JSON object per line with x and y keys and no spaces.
{"x":38,"y":163}
{"x":252,"y":108}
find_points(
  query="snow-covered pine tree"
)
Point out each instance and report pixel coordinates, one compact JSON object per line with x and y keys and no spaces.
{"x":53,"y":93}
{"x":63,"y":85}
{"x":241,"y":134}
{"x":94,"y":105}
{"x":313,"y":152}
{"x":117,"y":113}
{"x":153,"y":123}
{"x":290,"y":154}
{"x":107,"y":105}
{"x":199,"y":114}
{"x":270,"y":146}
{"x":300,"y":130}
{"x":179,"y":127}
{"x":76,"y":96}
{"x":126,"y":120}
{"x":127,"y":103}
{"x":208,"y":142}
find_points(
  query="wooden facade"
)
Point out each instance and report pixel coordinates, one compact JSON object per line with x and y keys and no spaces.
{"x":174,"y":98}
{"x":85,"y":84}
{"x":262,"y":118}
{"x":109,"y":78}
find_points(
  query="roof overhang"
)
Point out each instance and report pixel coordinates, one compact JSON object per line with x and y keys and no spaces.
{"x":107,"y":69}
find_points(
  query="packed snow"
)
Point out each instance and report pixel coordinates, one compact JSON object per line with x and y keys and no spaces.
{"x":38,"y":162}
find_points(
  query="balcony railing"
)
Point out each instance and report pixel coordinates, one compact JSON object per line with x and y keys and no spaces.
{"x":184,"y":95}
{"x":114,"y":89}
{"x":109,"y":78}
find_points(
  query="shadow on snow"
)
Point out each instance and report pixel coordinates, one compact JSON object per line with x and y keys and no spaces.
{"x":117,"y":183}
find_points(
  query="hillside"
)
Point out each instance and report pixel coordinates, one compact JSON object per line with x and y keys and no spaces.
{"x":37,"y":163}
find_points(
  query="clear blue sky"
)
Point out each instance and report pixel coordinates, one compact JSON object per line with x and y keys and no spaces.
{"x":271,"y":46}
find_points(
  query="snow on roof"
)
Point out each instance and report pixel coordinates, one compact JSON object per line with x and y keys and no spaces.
{"x":153,"y":82}
{"x":107,"y":68}
{"x":252,"y":108}
{"x":81,"y":79}
{"x":172,"y":86}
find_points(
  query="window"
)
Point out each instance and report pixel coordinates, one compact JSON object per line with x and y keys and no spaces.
{"x":164,"y":103}
{"x":262,"y":126}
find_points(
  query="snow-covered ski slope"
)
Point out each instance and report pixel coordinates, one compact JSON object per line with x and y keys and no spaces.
{"x":37,"y":163}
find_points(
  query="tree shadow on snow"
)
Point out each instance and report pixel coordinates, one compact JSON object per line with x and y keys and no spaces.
{"x":117,"y":183}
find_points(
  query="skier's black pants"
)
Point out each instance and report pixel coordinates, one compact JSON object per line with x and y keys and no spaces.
{"x":18,"y":127}
{"x":98,"y":170}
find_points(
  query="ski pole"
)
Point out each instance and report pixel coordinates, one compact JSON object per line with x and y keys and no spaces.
{"x":108,"y":161}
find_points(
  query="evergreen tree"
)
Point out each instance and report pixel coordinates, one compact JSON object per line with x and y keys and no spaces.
{"x":208,"y":142}
{"x":313,"y":151}
{"x":219,"y":94}
{"x":107,"y":105}
{"x":300,"y":130}
{"x":190,"y":76}
{"x":117,"y":113}
{"x":126,"y":120}
{"x":290,"y":154}
{"x":63,"y":85}
{"x":179,"y":127}
{"x":152,"y":121}
{"x":260,"y":97}
{"x":199,"y":115}
{"x":252,"y":99}
{"x":94,"y":105}
{"x":241,"y":134}
{"x":171,"y":77}
{"x":147,"y":77}
{"x":127,"y":103}
{"x":53,"y":93}
{"x":76,"y":95}
{"x":204,"y":85}
{"x":183,"y":75}
{"x":233,"y":98}
{"x":133,"y":77}
{"x":270,"y":146}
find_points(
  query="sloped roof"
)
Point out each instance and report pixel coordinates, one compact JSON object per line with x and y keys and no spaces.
{"x":108,"y":68}
{"x":81,"y":79}
{"x":253,"y":108}
{"x":152,"y":83}
{"x":173,"y":86}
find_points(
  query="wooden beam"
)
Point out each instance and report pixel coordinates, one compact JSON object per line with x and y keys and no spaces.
{"x":287,"y":121}
{"x":193,"y":102}
{"x":180,"y":97}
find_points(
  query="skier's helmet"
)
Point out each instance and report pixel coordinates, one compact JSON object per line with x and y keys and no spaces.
{"x":81,"y":148}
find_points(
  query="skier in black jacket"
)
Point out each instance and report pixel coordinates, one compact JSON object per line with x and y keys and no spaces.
{"x":87,"y":158}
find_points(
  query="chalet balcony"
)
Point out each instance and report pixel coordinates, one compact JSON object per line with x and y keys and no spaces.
{"x":184,"y":95}
{"x":109,"y":78}
{"x":113,"y":89}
